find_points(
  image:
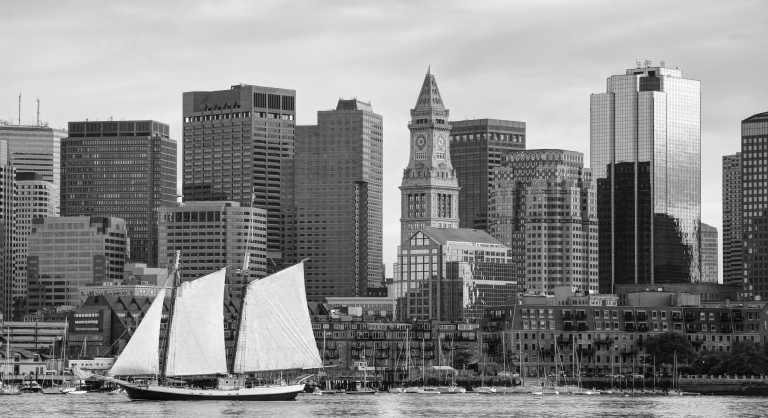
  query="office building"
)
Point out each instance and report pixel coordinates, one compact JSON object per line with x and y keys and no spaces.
{"x":754,"y":181}
{"x":68,"y":253}
{"x":7,"y":233}
{"x":338,"y":200}
{"x":543,"y":207}
{"x":430,"y":188}
{"x":452,"y":274}
{"x":732,"y":216}
{"x":124,"y":169}
{"x":709,"y":254}
{"x":477,"y":147}
{"x":212,"y":235}
{"x":36,"y":198}
{"x":237,"y":143}
{"x":645,"y":151}
{"x":35,"y":149}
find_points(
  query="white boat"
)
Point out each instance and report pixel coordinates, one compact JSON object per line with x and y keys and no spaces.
{"x":412,"y":389}
{"x":451,"y":390}
{"x":428,"y":391}
{"x":484,"y":390}
{"x":77,"y":392}
{"x":274,"y":334}
{"x":396,"y":390}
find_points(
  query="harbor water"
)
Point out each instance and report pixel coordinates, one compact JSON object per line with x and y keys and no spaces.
{"x":391,"y":405}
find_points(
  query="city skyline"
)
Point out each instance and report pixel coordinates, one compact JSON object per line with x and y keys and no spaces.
{"x":523,"y":82}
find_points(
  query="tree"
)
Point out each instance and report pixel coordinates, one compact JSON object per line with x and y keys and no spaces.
{"x":664,"y":346}
{"x":461,"y":358}
{"x":746,"y":358}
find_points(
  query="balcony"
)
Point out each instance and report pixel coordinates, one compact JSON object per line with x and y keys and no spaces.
{"x":677,"y":316}
{"x":738,"y":316}
{"x":567,"y":315}
{"x":581,"y":315}
{"x":725,"y":316}
{"x":642,"y":327}
{"x":630,"y":351}
{"x":629,"y":326}
{"x":642,"y":316}
{"x":690,"y":328}
{"x":563,"y":340}
{"x":727,"y":328}
{"x":567,"y":326}
{"x":582,"y":326}
{"x":586,"y":350}
{"x":690,"y":316}
{"x":629,"y":316}
{"x":697,"y":342}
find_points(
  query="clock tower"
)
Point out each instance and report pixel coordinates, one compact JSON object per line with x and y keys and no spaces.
{"x":430,"y":191}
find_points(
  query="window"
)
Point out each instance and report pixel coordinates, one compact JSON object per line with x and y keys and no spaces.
{"x":664,"y":326}
{"x":711,"y":316}
{"x":655,"y":326}
{"x":654,"y":315}
{"x":421,"y":155}
{"x":664,"y":315}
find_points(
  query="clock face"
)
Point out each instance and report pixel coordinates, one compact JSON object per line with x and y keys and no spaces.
{"x":420,"y":141}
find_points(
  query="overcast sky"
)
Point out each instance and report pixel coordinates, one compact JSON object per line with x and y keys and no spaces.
{"x":535,"y":62}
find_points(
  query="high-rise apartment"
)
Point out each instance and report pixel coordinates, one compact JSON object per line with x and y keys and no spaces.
{"x":732,"y":216}
{"x":709,"y":253}
{"x":429,"y":189}
{"x":754,"y":181}
{"x":338,"y":193}
{"x":645,"y":151}
{"x":35,"y":149}
{"x":213,"y":235}
{"x":124,"y":169}
{"x":543,"y":206}
{"x":36,"y":198}
{"x":477,"y":147}
{"x":237,"y":143}
{"x":68,"y":253}
{"x":7,"y":231}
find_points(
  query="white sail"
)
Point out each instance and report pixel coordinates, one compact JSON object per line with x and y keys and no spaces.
{"x":141,"y":354}
{"x":196,"y":342}
{"x":275,"y":330}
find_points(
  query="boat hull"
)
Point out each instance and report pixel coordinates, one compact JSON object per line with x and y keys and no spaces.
{"x":162,"y":393}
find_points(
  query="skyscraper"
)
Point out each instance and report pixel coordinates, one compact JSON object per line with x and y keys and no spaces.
{"x":754,"y":181}
{"x":7,"y":230}
{"x":430,"y":189}
{"x":338,"y":194}
{"x":543,"y":206}
{"x":124,"y":169}
{"x":36,"y":198}
{"x":35,"y":149}
{"x":645,"y":143}
{"x":732,"y":215}
{"x":477,"y":147}
{"x":709,"y":252}
{"x":236,"y":145}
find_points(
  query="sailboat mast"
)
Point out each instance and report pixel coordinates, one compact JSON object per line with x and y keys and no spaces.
{"x":176,"y":281}
{"x":244,"y":271}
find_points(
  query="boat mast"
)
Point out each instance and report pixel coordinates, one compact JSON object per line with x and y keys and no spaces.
{"x":175,"y":284}
{"x":244,"y":271}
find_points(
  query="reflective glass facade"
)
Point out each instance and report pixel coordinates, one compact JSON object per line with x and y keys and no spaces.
{"x":709,"y":273}
{"x":645,"y":144}
{"x":754,"y":181}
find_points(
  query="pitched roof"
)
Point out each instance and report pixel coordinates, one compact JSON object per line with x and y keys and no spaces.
{"x":757,"y":117}
{"x":443,"y":235}
{"x":429,"y":99}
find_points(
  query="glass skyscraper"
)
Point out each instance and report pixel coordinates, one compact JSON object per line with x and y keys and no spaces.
{"x":645,"y":144}
{"x":754,"y":186}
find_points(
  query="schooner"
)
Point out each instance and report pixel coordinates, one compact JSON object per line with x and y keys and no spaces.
{"x":274,"y":334}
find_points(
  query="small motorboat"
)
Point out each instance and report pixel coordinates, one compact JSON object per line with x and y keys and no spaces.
{"x":429,"y":391}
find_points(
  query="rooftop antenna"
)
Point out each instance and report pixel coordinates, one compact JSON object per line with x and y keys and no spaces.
{"x":662,"y":63}
{"x":19,"y":108}
{"x":38,"y":110}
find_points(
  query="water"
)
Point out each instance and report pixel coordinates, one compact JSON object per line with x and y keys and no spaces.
{"x":390,"y":405}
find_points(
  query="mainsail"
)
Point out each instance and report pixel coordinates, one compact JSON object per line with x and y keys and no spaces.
{"x":275,"y":330}
{"x":140,"y":356}
{"x":196,"y":342}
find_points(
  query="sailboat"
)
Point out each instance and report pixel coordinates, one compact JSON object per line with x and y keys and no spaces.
{"x":483,"y":389}
{"x":274,"y":334}
{"x":406,"y":364}
{"x":57,"y":389}
{"x":364,"y":389}
{"x":7,"y":388}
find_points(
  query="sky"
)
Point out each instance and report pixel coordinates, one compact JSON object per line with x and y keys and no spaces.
{"x":531,"y":61}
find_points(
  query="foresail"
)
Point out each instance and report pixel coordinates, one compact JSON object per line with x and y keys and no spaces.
{"x":196,"y":343}
{"x":140,"y":356}
{"x":275,"y":329}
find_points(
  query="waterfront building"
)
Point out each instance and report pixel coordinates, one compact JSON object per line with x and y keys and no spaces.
{"x":477,"y":147}
{"x":7,"y":235}
{"x":35,"y":149}
{"x":605,"y":338}
{"x":543,"y":206}
{"x":338,"y":201}
{"x":138,"y":280}
{"x":237,"y":146}
{"x":212,"y":235}
{"x":709,"y":254}
{"x":754,"y":180}
{"x":34,"y":336}
{"x":351,"y":343}
{"x":124,"y":169}
{"x":732,"y":219}
{"x":451,"y":274}
{"x":36,"y":198}
{"x":369,"y":308}
{"x":430,"y":188}
{"x":645,"y":150}
{"x":71,"y":252}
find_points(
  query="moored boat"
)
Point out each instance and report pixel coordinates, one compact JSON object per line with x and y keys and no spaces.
{"x":196,"y":315}
{"x":428,"y":391}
